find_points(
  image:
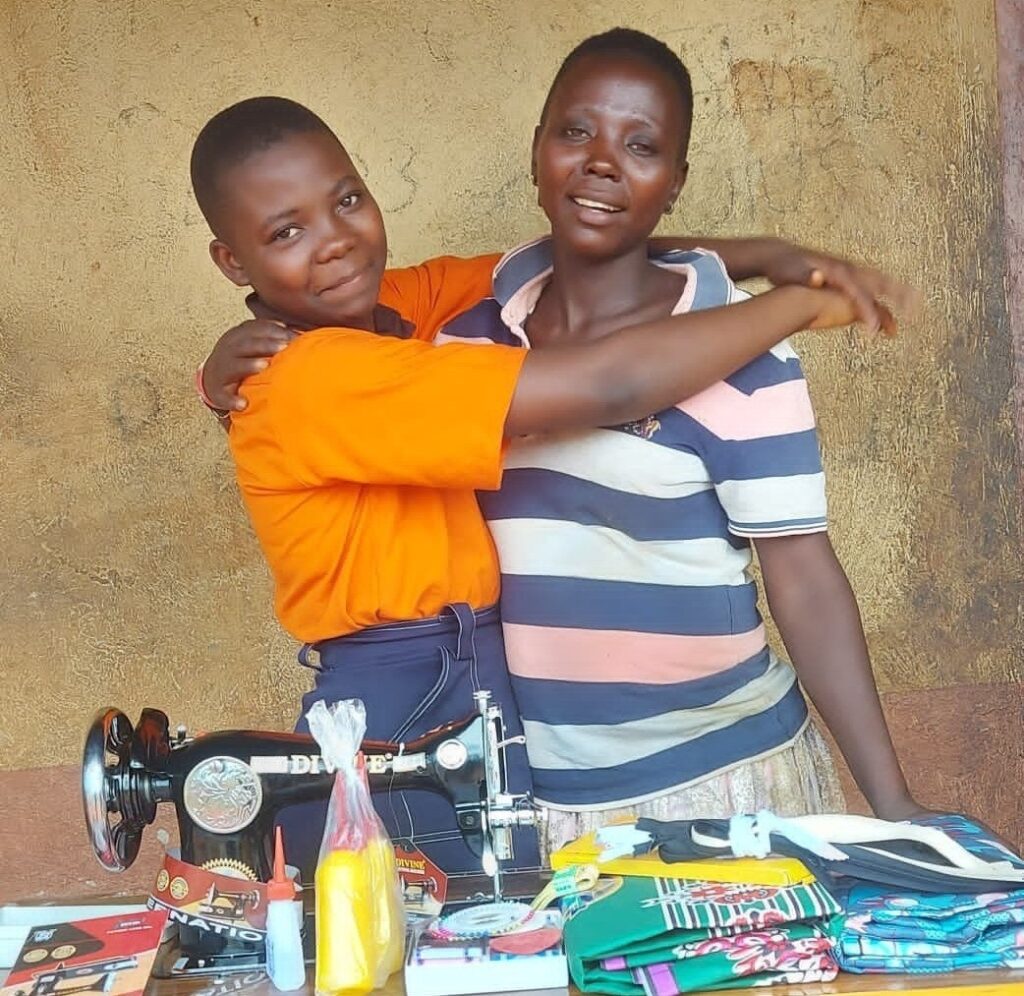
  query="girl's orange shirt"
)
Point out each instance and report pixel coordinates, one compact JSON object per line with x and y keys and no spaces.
{"x":358,"y":457}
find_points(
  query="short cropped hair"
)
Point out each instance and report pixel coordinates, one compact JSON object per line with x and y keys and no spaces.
{"x":636,"y":45}
{"x":239,"y":131}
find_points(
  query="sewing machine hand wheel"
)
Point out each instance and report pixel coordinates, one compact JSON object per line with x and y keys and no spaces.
{"x":124,"y":788}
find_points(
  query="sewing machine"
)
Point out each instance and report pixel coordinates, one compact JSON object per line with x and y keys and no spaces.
{"x":228,"y":787}
{"x":99,"y":978}
{"x":230,"y":905}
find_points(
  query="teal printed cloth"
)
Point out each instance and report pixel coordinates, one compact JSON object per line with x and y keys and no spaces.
{"x":888,"y":931}
{"x":634,"y":935}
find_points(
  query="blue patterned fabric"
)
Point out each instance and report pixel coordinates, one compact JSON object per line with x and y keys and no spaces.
{"x":973,"y":837}
{"x":887,"y":931}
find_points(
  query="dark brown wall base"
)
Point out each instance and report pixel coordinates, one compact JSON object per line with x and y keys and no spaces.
{"x":962,"y":749}
{"x":44,"y":850}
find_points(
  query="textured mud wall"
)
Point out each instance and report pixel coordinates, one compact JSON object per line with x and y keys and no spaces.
{"x":127,"y":571}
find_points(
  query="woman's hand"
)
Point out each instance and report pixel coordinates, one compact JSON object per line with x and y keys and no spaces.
{"x":906,"y":808}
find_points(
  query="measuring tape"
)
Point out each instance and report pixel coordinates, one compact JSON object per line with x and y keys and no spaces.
{"x":495,"y":919}
{"x":475,"y":922}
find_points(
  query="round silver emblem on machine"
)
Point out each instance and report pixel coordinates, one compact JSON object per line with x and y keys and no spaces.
{"x":223,"y":794}
{"x":452,"y":754}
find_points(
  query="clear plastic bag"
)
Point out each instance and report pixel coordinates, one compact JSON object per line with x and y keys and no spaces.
{"x":360,"y":920}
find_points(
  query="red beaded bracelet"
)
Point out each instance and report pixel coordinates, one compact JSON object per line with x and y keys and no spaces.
{"x":221,"y":413}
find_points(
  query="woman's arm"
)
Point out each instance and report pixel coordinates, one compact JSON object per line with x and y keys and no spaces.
{"x":812,"y":603}
{"x":783,"y":263}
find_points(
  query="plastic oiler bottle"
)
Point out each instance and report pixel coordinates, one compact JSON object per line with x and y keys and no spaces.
{"x":285,"y":963}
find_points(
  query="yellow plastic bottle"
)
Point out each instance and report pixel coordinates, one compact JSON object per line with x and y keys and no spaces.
{"x":390,"y":920}
{"x":360,"y":926}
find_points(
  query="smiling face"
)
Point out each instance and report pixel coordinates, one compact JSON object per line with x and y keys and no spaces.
{"x":609,"y":156}
{"x":298,"y":225}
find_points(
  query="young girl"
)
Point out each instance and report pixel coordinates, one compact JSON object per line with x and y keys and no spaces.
{"x":632,"y":632}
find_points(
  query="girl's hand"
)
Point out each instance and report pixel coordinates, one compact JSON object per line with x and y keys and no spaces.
{"x":240,"y":352}
{"x":835,"y":309}
{"x":865,"y":286}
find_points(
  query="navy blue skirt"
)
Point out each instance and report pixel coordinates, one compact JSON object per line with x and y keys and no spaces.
{"x":414,"y":676}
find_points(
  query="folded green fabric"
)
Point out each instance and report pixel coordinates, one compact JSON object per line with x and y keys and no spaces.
{"x":792,"y":953}
{"x":646,"y":935}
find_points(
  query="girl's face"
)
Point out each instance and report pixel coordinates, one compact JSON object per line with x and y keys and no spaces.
{"x":303,"y":231}
{"x":608,"y":156}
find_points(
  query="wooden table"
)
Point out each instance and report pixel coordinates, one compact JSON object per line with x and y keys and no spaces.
{"x":253,"y":982}
{"x":1003,"y":982}
{"x":1000,"y":983}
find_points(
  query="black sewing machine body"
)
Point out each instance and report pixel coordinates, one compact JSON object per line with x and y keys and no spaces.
{"x":228,"y":787}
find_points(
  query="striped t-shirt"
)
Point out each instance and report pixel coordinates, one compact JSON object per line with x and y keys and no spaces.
{"x":637,"y":652}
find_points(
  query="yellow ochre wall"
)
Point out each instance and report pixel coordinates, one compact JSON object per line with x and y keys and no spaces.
{"x":128,"y":574}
